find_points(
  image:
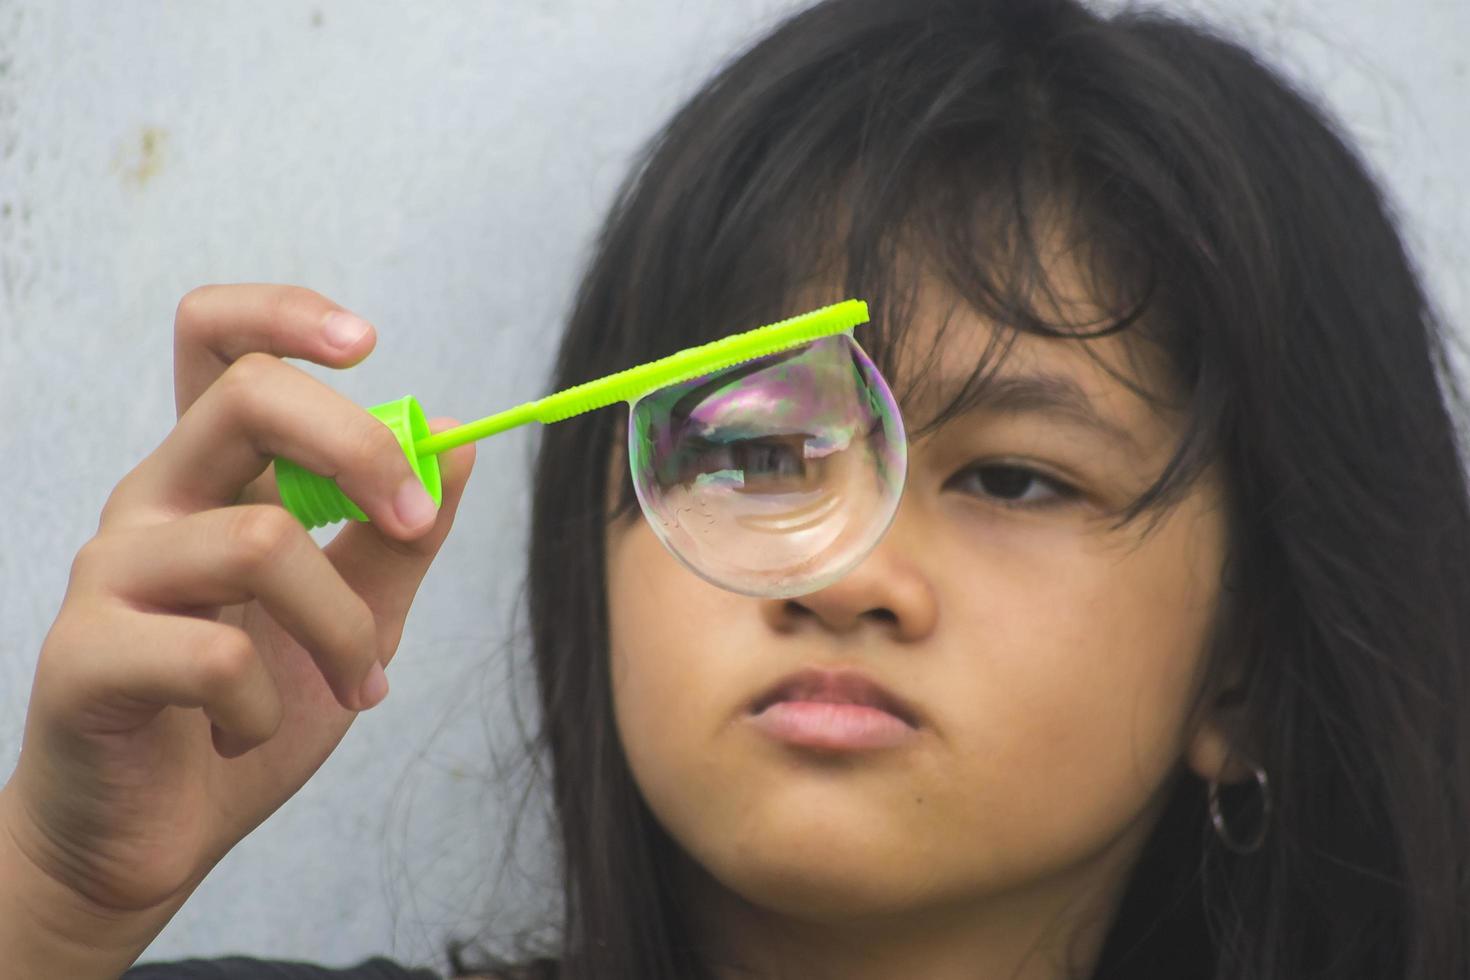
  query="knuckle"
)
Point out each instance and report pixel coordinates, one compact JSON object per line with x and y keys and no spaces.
{"x":225,"y":662}
{"x":242,"y":382}
{"x":373,"y":442}
{"x":355,"y":636}
{"x":91,"y":558}
{"x":112,"y":506}
{"x":188,"y":316}
{"x":247,"y":370}
{"x":267,"y":721}
{"x":261,"y":535}
{"x":122,"y":509}
{"x":67,"y":669}
{"x":70,"y":631}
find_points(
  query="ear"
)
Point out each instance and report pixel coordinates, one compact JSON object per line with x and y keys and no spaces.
{"x":1214,"y":751}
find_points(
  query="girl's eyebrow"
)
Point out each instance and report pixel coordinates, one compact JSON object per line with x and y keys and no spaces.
{"x":1043,"y":394}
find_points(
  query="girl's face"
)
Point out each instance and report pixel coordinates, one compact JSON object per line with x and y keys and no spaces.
{"x":1051,"y":661}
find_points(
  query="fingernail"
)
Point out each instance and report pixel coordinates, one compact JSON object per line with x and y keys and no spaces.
{"x":342,"y":330}
{"x":374,"y":688}
{"x":413,"y":505}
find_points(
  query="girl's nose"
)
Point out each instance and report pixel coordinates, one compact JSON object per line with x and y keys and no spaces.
{"x":891,"y":588}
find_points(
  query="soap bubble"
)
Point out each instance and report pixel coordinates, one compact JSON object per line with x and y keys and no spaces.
{"x":774,"y":477}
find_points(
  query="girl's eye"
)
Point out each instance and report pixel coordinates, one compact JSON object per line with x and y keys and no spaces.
{"x":766,"y":464}
{"x":1015,"y":486}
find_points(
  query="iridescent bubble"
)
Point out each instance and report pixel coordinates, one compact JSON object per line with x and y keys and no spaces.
{"x":774,"y":477}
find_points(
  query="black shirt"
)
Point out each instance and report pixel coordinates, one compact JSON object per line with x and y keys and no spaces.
{"x":246,"y":968}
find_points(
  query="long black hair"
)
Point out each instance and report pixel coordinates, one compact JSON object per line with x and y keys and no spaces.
{"x":1225,"y":222}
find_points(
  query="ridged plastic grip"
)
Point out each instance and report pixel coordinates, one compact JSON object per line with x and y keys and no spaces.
{"x":316,"y":500}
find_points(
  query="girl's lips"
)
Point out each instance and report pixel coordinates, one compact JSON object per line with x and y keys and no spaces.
{"x":837,"y":685}
{"x":833,"y":727}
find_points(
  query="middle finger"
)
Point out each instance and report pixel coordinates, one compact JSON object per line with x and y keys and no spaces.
{"x":220,"y":557}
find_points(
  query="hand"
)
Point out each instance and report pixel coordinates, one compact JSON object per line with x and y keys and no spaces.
{"x":208,"y":655}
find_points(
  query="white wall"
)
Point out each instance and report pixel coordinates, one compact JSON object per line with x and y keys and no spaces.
{"x":438,"y":168}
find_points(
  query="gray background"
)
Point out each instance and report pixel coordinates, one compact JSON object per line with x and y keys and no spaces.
{"x":440,"y":169}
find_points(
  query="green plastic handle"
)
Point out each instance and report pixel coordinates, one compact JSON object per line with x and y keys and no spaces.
{"x":316,"y":500}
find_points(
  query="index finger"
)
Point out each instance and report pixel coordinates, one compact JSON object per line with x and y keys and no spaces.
{"x":263,"y":408}
{"x":217,"y":324}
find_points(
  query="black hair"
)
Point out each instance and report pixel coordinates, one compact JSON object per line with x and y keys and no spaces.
{"x":1229,"y":227}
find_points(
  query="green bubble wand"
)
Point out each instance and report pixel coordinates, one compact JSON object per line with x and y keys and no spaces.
{"x":316,"y":500}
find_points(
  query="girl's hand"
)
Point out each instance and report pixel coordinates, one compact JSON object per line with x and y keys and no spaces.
{"x":208,"y":656}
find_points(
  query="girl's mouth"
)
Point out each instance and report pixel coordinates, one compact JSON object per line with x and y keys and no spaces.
{"x":835,"y":710}
{"x":833,"y":727}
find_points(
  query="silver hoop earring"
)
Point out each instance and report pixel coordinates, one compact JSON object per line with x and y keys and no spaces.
{"x":1218,"y":819}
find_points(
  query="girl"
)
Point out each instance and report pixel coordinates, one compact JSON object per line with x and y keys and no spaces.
{"x":1174,"y":608}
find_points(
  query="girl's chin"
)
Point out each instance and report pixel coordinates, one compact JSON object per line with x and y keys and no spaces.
{"x":826,"y":895}
{"x":832,"y":874}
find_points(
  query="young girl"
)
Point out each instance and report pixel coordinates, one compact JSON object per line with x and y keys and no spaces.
{"x":1174,"y":609}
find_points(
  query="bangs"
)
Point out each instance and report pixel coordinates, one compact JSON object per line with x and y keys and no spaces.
{"x":785,"y":187}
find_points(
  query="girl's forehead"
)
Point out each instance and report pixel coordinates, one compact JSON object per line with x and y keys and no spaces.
{"x":955,"y":356}
{"x":941,"y":328}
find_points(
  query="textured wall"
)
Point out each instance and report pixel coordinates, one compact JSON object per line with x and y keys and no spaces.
{"x":438,"y":168}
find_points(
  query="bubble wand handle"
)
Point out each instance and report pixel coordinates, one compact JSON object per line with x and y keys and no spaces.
{"x":490,"y":425}
{"x":316,"y":500}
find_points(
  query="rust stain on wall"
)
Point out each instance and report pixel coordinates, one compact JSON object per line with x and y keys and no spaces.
{"x":140,"y":160}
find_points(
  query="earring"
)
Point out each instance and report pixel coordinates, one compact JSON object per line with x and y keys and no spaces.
{"x":1218,"y":819}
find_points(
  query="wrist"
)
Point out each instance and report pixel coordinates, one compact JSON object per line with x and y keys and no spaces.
{"x":49,"y":930}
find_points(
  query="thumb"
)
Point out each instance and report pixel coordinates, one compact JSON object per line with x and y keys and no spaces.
{"x":387,"y":571}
